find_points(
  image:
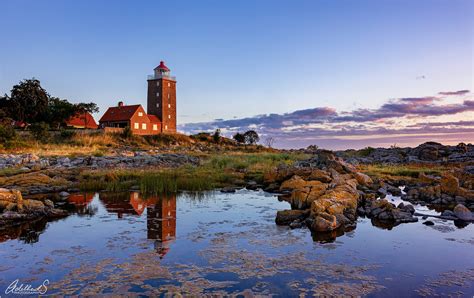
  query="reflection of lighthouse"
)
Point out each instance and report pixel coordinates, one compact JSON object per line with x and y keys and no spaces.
{"x":161,"y":222}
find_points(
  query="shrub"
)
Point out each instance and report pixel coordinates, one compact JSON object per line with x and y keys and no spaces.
{"x":40,"y":131}
{"x":127,"y":133}
{"x":7,"y":134}
{"x":67,"y":134}
{"x":217,"y":136}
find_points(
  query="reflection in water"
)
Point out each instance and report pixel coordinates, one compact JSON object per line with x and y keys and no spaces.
{"x":81,"y":203}
{"x":27,"y":232}
{"x":161,"y":214}
{"x":161,"y":222}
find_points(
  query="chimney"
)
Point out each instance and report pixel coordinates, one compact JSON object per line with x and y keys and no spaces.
{"x":120,"y":103}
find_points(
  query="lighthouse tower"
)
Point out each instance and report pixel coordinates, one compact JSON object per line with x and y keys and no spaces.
{"x":162,"y":97}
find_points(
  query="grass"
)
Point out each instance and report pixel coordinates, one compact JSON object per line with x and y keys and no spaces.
{"x":411,"y":170}
{"x":215,"y":171}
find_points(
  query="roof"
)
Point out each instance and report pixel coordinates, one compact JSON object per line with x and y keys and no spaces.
{"x":121,"y":113}
{"x":162,"y":66}
{"x":153,"y":119}
{"x":82,"y":120}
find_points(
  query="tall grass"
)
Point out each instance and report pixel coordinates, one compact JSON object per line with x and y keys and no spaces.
{"x":216,"y":171}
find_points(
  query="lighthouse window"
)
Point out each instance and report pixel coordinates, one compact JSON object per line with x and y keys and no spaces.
{"x":157,"y":83}
{"x":157,"y":93}
{"x":169,"y":105}
{"x":168,"y":95}
{"x":169,"y":85}
{"x":169,"y":116}
{"x":157,"y":105}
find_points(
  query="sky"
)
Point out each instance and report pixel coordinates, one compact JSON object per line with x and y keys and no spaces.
{"x":337,"y":74}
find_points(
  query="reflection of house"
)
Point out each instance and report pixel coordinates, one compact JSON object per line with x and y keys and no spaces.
{"x":161,"y":222}
{"x":80,"y":199}
{"x":84,"y":120}
{"x":130,"y":203}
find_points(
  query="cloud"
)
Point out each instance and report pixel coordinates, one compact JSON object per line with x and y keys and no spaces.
{"x":460,"y":92}
{"x":402,"y":116}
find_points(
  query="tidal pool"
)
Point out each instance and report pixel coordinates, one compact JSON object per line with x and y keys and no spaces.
{"x":216,"y":243}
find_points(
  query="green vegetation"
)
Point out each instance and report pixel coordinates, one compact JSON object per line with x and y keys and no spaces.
{"x":215,"y":171}
{"x":411,"y":170}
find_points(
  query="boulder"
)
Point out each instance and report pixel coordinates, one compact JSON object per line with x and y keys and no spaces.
{"x":363,"y":179}
{"x":325,"y":223}
{"x":449,"y":184}
{"x":9,"y":197}
{"x":286,"y":217}
{"x":463,"y":213}
{"x":33,"y":205}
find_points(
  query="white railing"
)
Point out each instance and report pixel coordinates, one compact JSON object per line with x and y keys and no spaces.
{"x":161,"y":76}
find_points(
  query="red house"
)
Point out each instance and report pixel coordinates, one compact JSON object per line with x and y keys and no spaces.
{"x":133,"y":116}
{"x":161,"y":108}
{"x":83,"y":120}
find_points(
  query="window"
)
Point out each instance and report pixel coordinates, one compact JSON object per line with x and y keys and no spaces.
{"x":136,"y":125}
{"x":168,"y":95}
{"x":169,"y":106}
{"x":169,"y":84}
{"x":140,"y":114}
{"x":158,"y":83}
{"x":143,"y":125}
{"x":155,"y":127}
{"x":157,"y":93}
{"x":166,"y":126}
{"x":157,"y":105}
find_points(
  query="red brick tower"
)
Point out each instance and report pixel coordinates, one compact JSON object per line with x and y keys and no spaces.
{"x":162,"y":97}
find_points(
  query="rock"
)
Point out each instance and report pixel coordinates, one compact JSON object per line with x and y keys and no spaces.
{"x":64,"y":194}
{"x":33,"y":205}
{"x":461,"y":212}
{"x":320,"y":175}
{"x":285,"y":217}
{"x":296,"y":224}
{"x":448,"y":213}
{"x":363,"y":179}
{"x":228,"y":190}
{"x":449,"y":184}
{"x":324,"y":223}
{"x":428,"y":223}
{"x":49,"y":203}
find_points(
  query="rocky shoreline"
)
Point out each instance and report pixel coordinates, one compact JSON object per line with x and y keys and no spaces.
{"x":327,"y":195}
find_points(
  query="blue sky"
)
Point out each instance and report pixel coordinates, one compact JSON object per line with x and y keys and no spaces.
{"x":239,"y":59}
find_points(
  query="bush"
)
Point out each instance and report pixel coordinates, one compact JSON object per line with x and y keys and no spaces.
{"x":40,"y":131}
{"x":7,"y":134}
{"x":127,"y":133}
{"x":67,"y":134}
{"x":217,"y":136}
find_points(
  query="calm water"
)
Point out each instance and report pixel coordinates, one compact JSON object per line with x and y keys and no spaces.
{"x":228,"y":244}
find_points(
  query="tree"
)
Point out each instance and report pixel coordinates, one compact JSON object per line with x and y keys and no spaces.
{"x":269,"y":141}
{"x":239,"y":138}
{"x":40,"y":131}
{"x":251,"y":137}
{"x":59,"y":111}
{"x":217,"y":136}
{"x":28,"y":102}
{"x":84,"y":108}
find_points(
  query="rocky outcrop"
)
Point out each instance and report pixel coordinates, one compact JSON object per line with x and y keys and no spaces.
{"x":124,"y":160}
{"x":429,"y":152}
{"x":14,"y":209}
{"x":461,"y":212}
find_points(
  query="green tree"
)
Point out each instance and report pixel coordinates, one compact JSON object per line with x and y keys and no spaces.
{"x":83,"y":108}
{"x":239,"y":138}
{"x":251,"y":137}
{"x":28,"y":102}
{"x":59,"y":111}
{"x":40,"y":131}
{"x":217,"y":136}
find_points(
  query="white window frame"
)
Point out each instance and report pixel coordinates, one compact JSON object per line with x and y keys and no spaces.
{"x":143,"y":126}
{"x":155,"y":126}
{"x":158,"y":83}
{"x":158,"y":94}
{"x":136,"y":125}
{"x":169,"y":84}
{"x":157,"y":105}
{"x":140,"y":114}
{"x":169,"y":116}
